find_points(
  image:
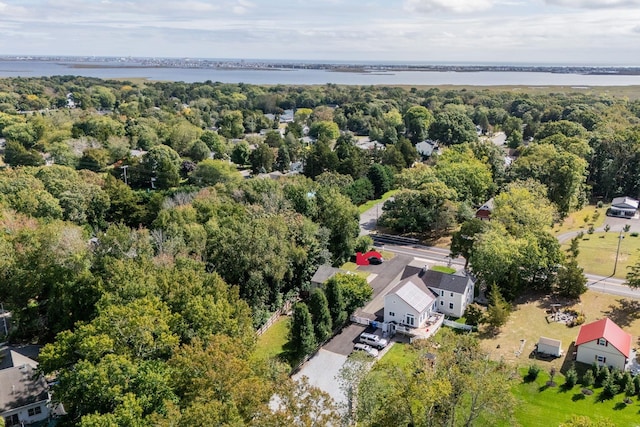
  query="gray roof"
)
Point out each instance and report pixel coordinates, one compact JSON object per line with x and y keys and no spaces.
{"x":550,"y":342}
{"x":438,"y":280}
{"x":324,"y":273}
{"x":21,"y":384}
{"x":624,"y":203}
{"x":414,"y":292}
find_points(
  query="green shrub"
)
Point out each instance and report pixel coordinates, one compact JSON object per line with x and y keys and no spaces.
{"x":603,"y":376}
{"x":533,"y":372}
{"x":588,"y":378}
{"x":634,"y":234}
{"x":609,"y":388}
{"x":599,"y":205}
{"x":630,"y":389}
{"x":571,"y":378}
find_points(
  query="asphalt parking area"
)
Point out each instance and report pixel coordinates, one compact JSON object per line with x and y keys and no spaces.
{"x":343,"y":342}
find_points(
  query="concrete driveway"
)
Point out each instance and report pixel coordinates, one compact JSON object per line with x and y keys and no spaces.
{"x":322,"y":371}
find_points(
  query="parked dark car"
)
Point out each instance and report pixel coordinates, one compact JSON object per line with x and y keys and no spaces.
{"x":375,"y":260}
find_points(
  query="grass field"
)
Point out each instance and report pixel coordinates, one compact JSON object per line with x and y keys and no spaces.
{"x":576,"y":220}
{"x":527,"y":322}
{"x":371,"y":203}
{"x":549,"y":406}
{"x":630,"y":92}
{"x":598,"y":253}
{"x":272,"y":344}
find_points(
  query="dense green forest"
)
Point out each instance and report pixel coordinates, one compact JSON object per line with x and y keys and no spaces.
{"x":135,"y":250}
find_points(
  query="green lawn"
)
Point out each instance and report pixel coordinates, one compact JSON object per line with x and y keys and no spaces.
{"x":349,"y":266}
{"x":398,"y":355}
{"x":550,"y":406}
{"x":598,"y":253}
{"x":443,"y":269}
{"x":576,"y":220}
{"x":272,"y":343}
{"x":539,"y":405}
{"x":371,"y":203}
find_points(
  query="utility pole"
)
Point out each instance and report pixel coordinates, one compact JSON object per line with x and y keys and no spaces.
{"x":4,"y":319}
{"x":124,"y":168}
{"x":615,"y":265}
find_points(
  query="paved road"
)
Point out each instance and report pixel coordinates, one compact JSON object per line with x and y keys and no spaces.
{"x":607,"y":285}
{"x":369,"y":219}
{"x":612,"y":286}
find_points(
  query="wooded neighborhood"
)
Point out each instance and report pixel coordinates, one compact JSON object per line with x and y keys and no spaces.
{"x":149,"y":229}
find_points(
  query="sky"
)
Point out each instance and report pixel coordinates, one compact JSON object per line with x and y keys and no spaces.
{"x":592,"y":32}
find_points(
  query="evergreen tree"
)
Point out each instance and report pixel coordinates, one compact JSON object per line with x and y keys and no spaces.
{"x":609,"y":388}
{"x":499,"y":309}
{"x":603,"y":376}
{"x":571,"y":377}
{"x":381,"y":178}
{"x":587,"y":378}
{"x":283,"y":161}
{"x":319,"y":308}
{"x":302,"y":336}
{"x":336,"y":302}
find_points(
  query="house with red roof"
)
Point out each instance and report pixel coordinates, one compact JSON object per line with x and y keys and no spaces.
{"x":603,"y":342}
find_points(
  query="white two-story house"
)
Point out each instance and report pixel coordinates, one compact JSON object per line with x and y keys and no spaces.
{"x":24,"y":394}
{"x":422,"y":292}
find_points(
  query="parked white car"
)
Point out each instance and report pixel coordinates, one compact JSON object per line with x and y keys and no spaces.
{"x":365,"y":348}
{"x":373,"y":340}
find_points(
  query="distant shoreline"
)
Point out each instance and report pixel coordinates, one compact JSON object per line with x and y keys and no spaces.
{"x":175,"y":63}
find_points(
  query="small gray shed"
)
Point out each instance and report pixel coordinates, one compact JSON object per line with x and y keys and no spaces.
{"x":549,"y":347}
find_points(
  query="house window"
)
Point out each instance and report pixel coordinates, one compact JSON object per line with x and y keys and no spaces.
{"x":450,"y":306}
{"x":410,"y":320}
{"x":441,"y":302}
{"x":451,"y":293}
{"x":392,"y":314}
{"x":602,"y":341}
{"x":35,"y":411}
{"x":441,"y":293}
{"x":12,"y":420}
{"x":601,"y":359}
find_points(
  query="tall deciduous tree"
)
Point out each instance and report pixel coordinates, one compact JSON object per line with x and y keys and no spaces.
{"x":563,"y":174}
{"x":461,"y":170}
{"x":417,"y":121}
{"x":161,"y":165}
{"x":453,"y":126}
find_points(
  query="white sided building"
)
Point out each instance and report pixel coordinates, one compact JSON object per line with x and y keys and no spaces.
{"x":422,"y":292}
{"x":603,"y":342}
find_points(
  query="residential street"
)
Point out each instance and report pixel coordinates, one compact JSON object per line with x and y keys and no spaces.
{"x":322,"y":369}
{"x":608,"y":285}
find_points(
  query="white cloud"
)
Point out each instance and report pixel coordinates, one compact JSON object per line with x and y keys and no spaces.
{"x":456,"y":6}
{"x":594,"y":4}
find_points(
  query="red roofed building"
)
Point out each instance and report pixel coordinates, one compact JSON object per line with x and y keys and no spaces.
{"x":603,"y":342}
